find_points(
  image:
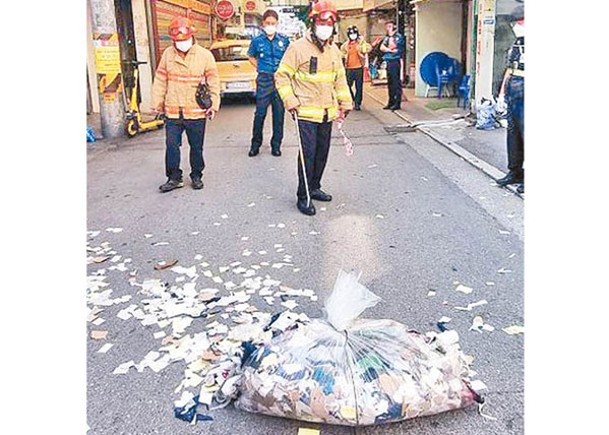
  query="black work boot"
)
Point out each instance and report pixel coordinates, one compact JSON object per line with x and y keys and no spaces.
{"x":510,"y":178}
{"x":253,"y":152}
{"x":197,"y":183}
{"x":171,"y":185}
{"x":320,"y":195}
{"x":302,"y":206}
{"x":276,"y":153}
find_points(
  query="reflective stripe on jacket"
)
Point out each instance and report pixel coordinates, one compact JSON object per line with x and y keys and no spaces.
{"x":314,"y":93}
{"x":176,"y":82}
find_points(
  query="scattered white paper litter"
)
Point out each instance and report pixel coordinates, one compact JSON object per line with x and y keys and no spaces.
{"x":123,"y":368}
{"x":114,"y":230}
{"x":464,"y":289}
{"x":513,"y":330}
{"x":224,"y":216}
{"x":431,"y":293}
{"x":380,"y":216}
{"x":105,"y":348}
{"x":472,"y":305}
{"x":444,"y":319}
{"x":504,"y":232}
{"x":503,"y":270}
{"x":280,"y":225}
{"x":251,"y":204}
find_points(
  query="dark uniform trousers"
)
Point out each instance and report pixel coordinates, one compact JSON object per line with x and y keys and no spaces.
{"x":356,"y":75}
{"x":315,"y":138}
{"x":515,"y":132}
{"x":394,"y":84}
{"x":195,"y":132}
{"x":266,"y":95}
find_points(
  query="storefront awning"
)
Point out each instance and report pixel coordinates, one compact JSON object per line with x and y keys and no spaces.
{"x":378,"y":4}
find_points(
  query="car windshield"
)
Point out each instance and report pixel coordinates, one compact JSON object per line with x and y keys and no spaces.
{"x":230,"y":53}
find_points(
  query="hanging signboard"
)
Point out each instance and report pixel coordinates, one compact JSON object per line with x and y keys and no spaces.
{"x":250,"y":5}
{"x":224,"y":9}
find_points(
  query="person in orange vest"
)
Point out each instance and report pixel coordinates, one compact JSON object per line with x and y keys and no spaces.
{"x":183,"y":66}
{"x":354,"y":52}
{"x":312,"y":84}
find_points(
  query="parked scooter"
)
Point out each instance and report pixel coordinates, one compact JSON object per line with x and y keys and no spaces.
{"x":135,"y":123}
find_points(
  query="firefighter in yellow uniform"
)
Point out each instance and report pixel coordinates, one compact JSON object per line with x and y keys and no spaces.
{"x":183,"y":66}
{"x":312,"y":84}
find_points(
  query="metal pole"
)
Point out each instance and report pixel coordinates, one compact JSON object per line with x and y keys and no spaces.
{"x":108,"y":65}
{"x":302,"y":162}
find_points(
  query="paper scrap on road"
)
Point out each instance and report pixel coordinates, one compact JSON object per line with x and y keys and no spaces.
{"x":160,"y":244}
{"x":280,"y":225}
{"x":472,"y":305}
{"x":99,"y":335}
{"x":464,"y":289}
{"x":162,"y":265}
{"x":123,"y":368}
{"x":105,"y":348}
{"x":114,"y":230}
{"x":513,"y":330}
{"x":431,"y":293}
{"x":504,"y":232}
{"x":490,"y":283}
{"x":444,"y":319}
{"x":437,"y":214}
{"x":251,"y":204}
{"x":98,"y":321}
{"x":380,"y":216}
{"x":195,"y":233}
{"x":290,"y":304}
{"x":504,"y":271}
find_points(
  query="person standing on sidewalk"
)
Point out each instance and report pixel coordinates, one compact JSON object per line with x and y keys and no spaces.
{"x":312,"y":84}
{"x":265,"y":53}
{"x":512,"y":91}
{"x":393,"y":46}
{"x":183,"y":66}
{"x":354,"y":52}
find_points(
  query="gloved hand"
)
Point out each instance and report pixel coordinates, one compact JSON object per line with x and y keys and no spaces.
{"x":210,"y":114}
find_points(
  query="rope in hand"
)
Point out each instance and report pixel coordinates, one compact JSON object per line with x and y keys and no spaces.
{"x":346,"y":141}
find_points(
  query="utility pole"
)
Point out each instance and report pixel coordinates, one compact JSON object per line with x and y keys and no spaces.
{"x":108,"y":65}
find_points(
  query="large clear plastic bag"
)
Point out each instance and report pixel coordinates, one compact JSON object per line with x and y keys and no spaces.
{"x":356,"y":372}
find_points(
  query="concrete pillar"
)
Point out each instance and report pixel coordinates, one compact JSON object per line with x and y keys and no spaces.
{"x":108,"y":66}
{"x":142,"y":48}
{"x":485,"y":50}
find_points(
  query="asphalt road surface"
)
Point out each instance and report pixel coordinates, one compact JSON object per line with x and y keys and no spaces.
{"x":408,"y":213}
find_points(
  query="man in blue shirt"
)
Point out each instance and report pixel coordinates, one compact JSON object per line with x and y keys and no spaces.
{"x":392,"y":47}
{"x":265,"y":53}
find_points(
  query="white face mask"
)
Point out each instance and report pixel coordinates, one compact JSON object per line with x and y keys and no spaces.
{"x":518,"y":30}
{"x":324,"y":32}
{"x":353,"y":36}
{"x":270,"y":30}
{"x":184,"y":46}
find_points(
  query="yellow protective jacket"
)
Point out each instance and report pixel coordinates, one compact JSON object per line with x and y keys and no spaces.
{"x":176,"y":81}
{"x":362,"y":49}
{"x":313,"y":93}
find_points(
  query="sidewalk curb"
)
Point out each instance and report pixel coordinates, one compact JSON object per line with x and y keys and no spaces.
{"x":479,"y":164}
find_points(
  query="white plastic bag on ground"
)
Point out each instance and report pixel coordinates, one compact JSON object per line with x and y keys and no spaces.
{"x":485,"y":115}
{"x":356,"y":372}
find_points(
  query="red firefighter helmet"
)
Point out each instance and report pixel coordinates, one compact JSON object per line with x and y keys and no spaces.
{"x":324,"y":9}
{"x":181,"y":29}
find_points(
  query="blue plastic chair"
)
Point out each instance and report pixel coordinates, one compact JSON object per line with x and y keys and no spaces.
{"x":443,"y":78}
{"x":463,"y":90}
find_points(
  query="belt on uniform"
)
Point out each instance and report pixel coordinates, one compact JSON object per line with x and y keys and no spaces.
{"x":518,"y":73}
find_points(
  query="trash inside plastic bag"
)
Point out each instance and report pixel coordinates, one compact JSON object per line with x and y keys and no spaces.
{"x":349,"y":371}
{"x":486,"y":113}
